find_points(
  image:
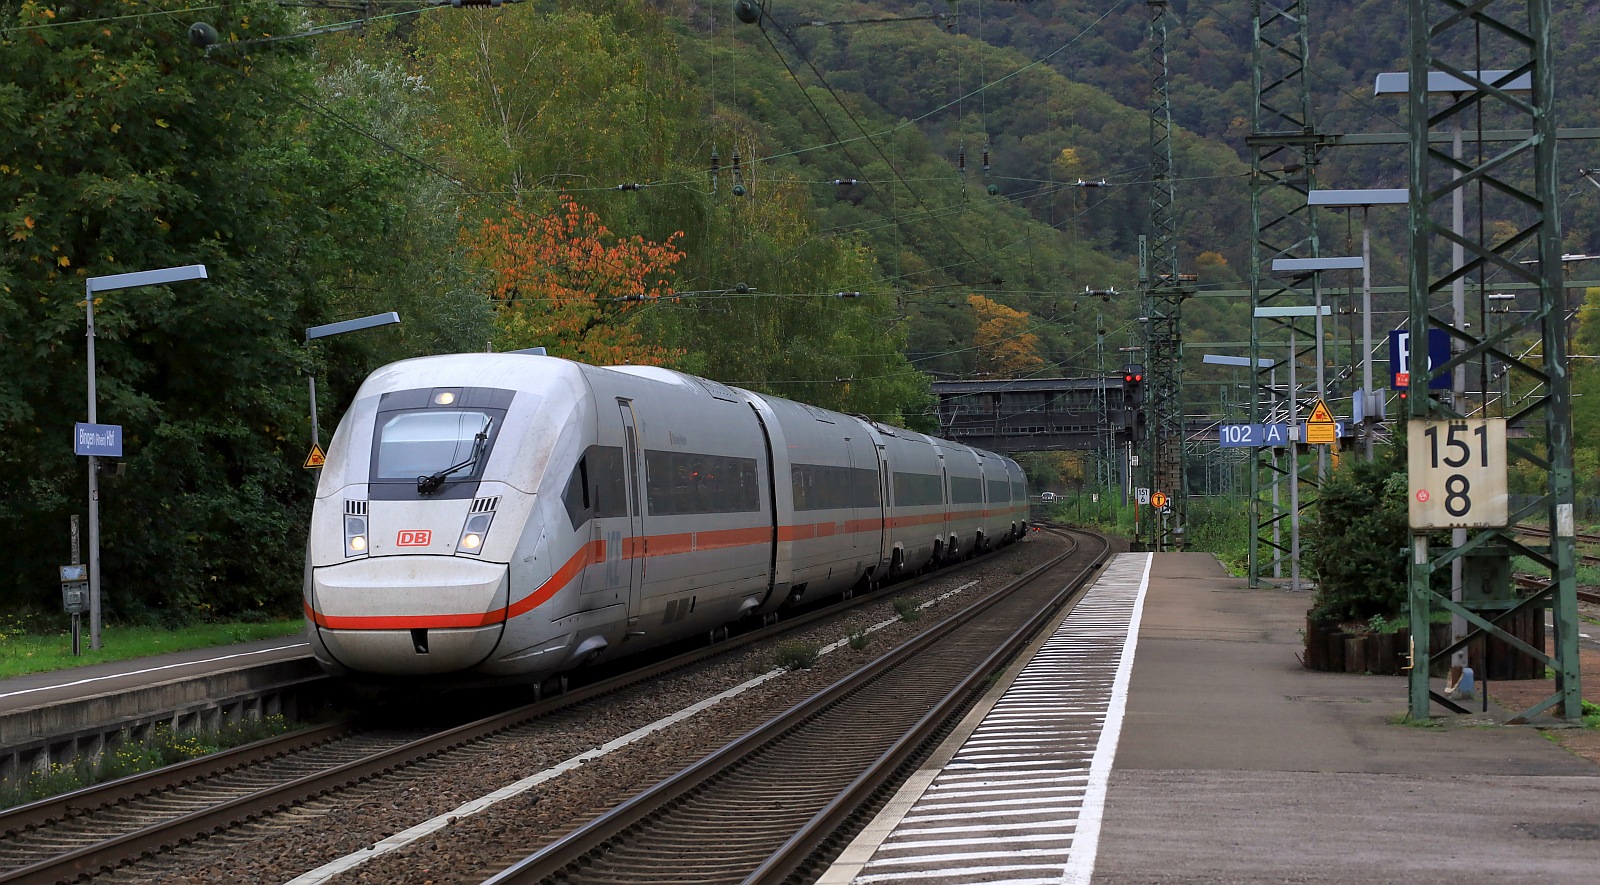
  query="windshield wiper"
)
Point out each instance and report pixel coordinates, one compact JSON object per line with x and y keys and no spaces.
{"x":427,"y":485}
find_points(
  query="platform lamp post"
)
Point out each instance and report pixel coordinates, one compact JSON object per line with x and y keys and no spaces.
{"x":325,"y":331}
{"x":1364,"y":199}
{"x":1315,"y":267}
{"x":91,"y":287}
{"x":1292,"y":398}
{"x":1243,"y":362}
{"x":1399,"y":83}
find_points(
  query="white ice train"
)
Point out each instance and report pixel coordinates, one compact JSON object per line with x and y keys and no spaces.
{"x":510,"y":515}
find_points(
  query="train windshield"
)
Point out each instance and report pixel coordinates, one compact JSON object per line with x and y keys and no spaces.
{"x":413,"y":444}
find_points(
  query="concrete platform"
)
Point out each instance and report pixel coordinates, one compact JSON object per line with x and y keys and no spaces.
{"x":58,"y":716}
{"x":1226,"y":761}
{"x":1238,"y":765}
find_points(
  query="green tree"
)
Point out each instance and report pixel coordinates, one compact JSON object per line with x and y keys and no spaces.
{"x":122,"y":148}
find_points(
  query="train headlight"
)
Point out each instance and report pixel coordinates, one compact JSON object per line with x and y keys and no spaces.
{"x":473,"y":533}
{"x":355,"y":535}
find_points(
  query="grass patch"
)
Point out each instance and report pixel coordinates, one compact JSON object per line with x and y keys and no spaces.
{"x":860,"y":639}
{"x":22,"y":653}
{"x":160,"y":748}
{"x":907,"y":609}
{"x":795,"y":655}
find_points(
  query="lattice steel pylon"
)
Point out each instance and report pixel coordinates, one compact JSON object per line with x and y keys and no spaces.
{"x":1515,"y":187}
{"x":1162,"y":291}
{"x":1286,"y":146}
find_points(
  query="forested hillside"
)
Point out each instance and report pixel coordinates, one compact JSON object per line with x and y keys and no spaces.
{"x":820,"y":203}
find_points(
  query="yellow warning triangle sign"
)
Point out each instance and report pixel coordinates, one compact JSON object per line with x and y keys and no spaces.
{"x":1320,"y":414}
{"x":316,"y":458}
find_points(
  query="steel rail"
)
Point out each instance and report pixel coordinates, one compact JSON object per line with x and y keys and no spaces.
{"x":135,"y":786}
{"x":803,"y":845}
{"x":127,"y":847}
{"x":594,"y":837}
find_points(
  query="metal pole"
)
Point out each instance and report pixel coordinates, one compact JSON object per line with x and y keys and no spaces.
{"x":1277,"y":531}
{"x":94,"y":485}
{"x":1458,"y":389}
{"x":77,"y":619}
{"x":1294,"y":467}
{"x":1322,"y":386}
{"x":316,"y":439}
{"x":1369,"y":420}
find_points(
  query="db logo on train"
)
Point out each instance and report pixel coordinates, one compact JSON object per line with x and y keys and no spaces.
{"x":414,"y":538}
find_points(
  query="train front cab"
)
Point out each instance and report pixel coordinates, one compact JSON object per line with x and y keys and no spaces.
{"x":401,"y":582}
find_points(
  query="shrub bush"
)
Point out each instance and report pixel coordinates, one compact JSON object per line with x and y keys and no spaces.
{"x":1355,"y":546}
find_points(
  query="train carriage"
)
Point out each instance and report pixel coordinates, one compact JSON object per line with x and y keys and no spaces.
{"x":511,"y":515}
{"x":963,"y":469}
{"x":834,"y":539}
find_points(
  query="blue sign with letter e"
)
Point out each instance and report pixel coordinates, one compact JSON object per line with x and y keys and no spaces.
{"x":103,"y":440}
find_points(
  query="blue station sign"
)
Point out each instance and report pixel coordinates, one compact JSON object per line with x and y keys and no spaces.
{"x":1400,"y":358}
{"x":100,"y":440}
{"x":1240,"y":435}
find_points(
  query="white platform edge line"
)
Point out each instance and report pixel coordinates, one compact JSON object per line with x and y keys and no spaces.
{"x":179,"y":665}
{"x":1086,"y":842}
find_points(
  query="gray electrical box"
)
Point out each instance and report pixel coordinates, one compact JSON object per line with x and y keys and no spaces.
{"x":75,"y":589}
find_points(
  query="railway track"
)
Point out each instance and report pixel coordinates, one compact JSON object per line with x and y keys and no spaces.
{"x":102,"y":828}
{"x":1539,"y":531}
{"x":780,"y":799}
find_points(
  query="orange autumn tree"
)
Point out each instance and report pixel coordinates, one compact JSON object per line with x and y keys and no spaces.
{"x":1006,"y":349}
{"x":563,"y":281}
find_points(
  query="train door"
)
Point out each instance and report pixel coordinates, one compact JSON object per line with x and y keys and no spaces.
{"x":855,"y":503}
{"x":633,"y":545}
{"x":885,"y":537}
{"x":772,"y":499}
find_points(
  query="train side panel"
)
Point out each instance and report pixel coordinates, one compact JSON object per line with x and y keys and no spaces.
{"x":914,"y":475}
{"x":964,"y":479}
{"x":709,"y":525}
{"x":832,"y":533}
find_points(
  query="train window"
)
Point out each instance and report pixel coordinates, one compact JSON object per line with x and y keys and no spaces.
{"x":413,"y":444}
{"x":608,"y":480}
{"x":999,"y":490}
{"x":823,"y":487}
{"x":865,"y":485}
{"x":576,"y":495}
{"x":686,"y":482}
{"x":965,"y":490}
{"x":916,"y":489}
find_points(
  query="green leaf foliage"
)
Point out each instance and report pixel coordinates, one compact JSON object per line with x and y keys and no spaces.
{"x":1355,"y":547}
{"x":124,"y":148}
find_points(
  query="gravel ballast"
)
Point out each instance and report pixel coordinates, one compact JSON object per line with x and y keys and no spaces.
{"x":473,"y":847}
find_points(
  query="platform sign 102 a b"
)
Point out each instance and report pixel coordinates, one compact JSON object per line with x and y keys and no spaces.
{"x":1458,"y":473}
